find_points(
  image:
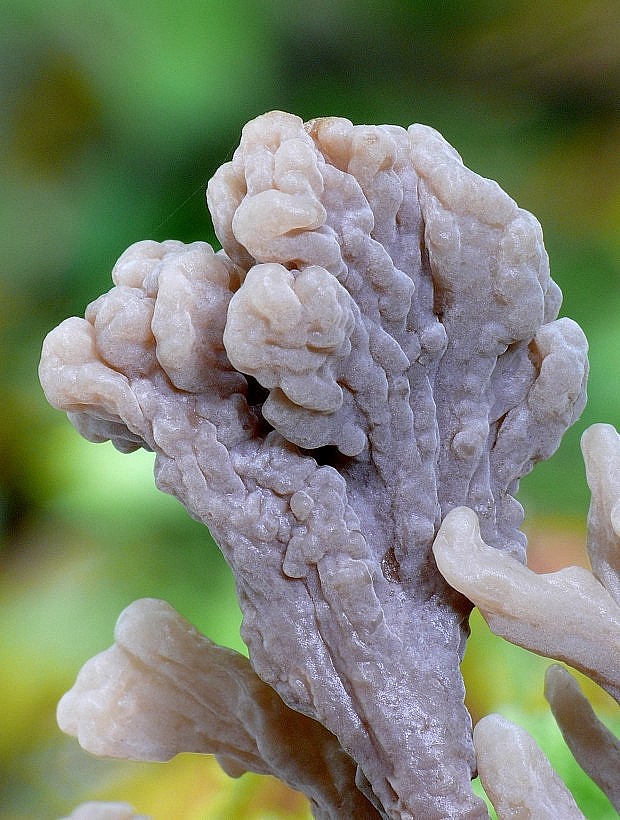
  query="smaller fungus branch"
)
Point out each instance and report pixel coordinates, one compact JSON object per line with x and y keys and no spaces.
{"x":163,"y":688}
{"x":567,"y":615}
{"x":517,"y":776}
{"x":601,"y":452}
{"x":105,"y":811}
{"x":593,"y":746}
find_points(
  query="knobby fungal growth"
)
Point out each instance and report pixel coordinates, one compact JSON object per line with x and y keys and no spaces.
{"x":375,"y":346}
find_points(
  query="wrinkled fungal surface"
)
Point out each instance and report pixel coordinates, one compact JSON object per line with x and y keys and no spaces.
{"x":375,"y":345}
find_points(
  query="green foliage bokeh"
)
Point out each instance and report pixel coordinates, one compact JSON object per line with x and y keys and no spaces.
{"x":114,"y":115}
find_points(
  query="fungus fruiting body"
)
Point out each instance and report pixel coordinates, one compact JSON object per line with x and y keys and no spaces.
{"x":374,"y":351}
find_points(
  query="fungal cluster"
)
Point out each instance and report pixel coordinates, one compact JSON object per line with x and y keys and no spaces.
{"x":371,"y":362}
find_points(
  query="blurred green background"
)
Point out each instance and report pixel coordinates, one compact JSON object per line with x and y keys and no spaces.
{"x":113,"y":116}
